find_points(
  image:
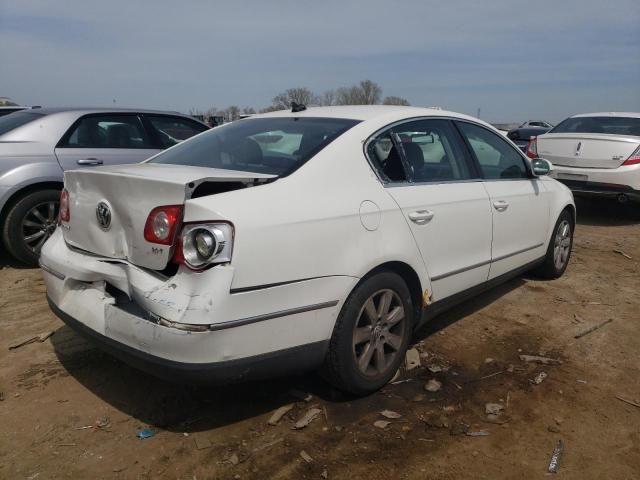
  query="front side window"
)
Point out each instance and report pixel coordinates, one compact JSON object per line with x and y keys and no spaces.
{"x":606,"y":125}
{"x":276,"y":145}
{"x":419,"y":151}
{"x":108,"y":131}
{"x":173,"y":130}
{"x":497,"y":159}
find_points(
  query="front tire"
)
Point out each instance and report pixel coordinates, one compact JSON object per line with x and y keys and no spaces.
{"x":371,"y":335}
{"x":559,"y":249}
{"x":29,"y":223}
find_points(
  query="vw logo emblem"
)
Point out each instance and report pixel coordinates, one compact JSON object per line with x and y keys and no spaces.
{"x":103,"y":214}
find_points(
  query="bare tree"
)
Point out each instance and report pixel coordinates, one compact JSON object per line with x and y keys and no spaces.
{"x":232,"y":113}
{"x":328,"y":98}
{"x":300,"y":95}
{"x":393,"y":100}
{"x":371,"y":92}
{"x":365,"y":93}
{"x":248,"y":110}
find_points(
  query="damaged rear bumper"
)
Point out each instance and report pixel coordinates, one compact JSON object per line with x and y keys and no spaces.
{"x":192,"y":326}
{"x":291,"y":360}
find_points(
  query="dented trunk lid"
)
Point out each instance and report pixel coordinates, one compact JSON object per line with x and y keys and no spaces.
{"x":130,"y":192}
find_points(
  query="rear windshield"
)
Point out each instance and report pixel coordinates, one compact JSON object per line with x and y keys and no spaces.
{"x":276,"y":146}
{"x":17,"y":119}
{"x":610,"y":125}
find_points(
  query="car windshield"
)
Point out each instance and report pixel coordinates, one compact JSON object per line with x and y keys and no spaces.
{"x":609,"y":125}
{"x":17,"y":119}
{"x":276,"y":145}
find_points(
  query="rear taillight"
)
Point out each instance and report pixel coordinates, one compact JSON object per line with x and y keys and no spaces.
{"x":163,"y":224}
{"x":532,"y":148}
{"x":202,"y":245}
{"x":64,"y":213}
{"x":634,"y":159}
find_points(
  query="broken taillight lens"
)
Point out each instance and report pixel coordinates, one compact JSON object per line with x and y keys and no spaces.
{"x":634,"y":159}
{"x":64,"y":213}
{"x":532,"y":148}
{"x":162,"y":224}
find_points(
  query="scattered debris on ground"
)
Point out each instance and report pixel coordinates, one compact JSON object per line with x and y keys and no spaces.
{"x":539,"y":378}
{"x":145,"y":433}
{"x":630,"y":402}
{"x":625,"y":255}
{"x":390,"y":414}
{"x":593,"y":329}
{"x":412,"y":359}
{"x":554,"y":465}
{"x":308,"y":417}
{"x":433,"y":386}
{"x":305,"y":456}
{"x":277,"y":415}
{"x":26,"y":341}
{"x":539,"y":359}
{"x":381,"y":424}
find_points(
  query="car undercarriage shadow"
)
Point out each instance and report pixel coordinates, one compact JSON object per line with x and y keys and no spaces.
{"x":7,"y":260}
{"x":606,"y":212}
{"x":172,"y":406}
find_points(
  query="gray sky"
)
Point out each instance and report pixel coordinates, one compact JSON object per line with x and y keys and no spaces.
{"x":513,"y":59}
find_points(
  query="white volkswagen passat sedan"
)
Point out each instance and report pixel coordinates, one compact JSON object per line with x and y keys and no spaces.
{"x":295,"y":240}
{"x":595,"y":154}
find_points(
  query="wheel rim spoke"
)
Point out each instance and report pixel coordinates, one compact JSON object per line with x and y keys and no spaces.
{"x":395,"y":316}
{"x":36,"y":213}
{"x":363,"y":334}
{"x":52,"y":211}
{"x":393,"y":340}
{"x":385,"y":303}
{"x":34,"y":236}
{"x":365,"y":358}
{"x":381,"y":361}
{"x":370,"y":308}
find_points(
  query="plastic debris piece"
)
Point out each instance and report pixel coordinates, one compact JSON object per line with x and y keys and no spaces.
{"x":593,"y":329}
{"x":277,"y":415}
{"x":479,"y":433}
{"x":541,"y":360}
{"x":433,"y":385}
{"x":26,"y":341}
{"x":308,"y":417}
{"x":625,"y":255}
{"x":554,"y":465}
{"x":145,"y":433}
{"x":412,"y":359}
{"x":305,"y":456}
{"x":493,"y":408}
{"x":539,"y":378}
{"x":390,"y":414}
{"x":381,"y":424}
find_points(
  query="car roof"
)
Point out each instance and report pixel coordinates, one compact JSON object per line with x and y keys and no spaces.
{"x":608,"y":114}
{"x":85,"y":110}
{"x":368,"y":112}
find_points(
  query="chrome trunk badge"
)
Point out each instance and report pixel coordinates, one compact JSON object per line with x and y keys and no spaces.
{"x":103,"y":214}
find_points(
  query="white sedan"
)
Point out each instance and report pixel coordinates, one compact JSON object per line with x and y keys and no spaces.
{"x":595,"y":154}
{"x":296,"y":240}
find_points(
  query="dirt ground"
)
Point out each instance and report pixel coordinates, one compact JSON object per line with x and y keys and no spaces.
{"x":70,"y":411}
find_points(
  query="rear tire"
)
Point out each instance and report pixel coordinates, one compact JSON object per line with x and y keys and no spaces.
{"x":559,"y":249}
{"x":29,"y":223}
{"x":371,"y":335}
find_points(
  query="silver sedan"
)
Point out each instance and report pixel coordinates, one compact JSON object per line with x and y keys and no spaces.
{"x":37,"y":145}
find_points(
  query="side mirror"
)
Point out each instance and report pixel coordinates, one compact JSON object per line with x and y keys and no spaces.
{"x":541,"y":166}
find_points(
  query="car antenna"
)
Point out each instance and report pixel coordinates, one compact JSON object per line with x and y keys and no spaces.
{"x":297,"y":107}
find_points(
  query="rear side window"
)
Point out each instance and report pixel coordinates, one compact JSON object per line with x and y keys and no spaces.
{"x":17,"y":119}
{"x":422,"y":150}
{"x":170,"y":131}
{"x":497,"y":159}
{"x":607,"y":125}
{"x":107,"y":131}
{"x":277,"y":145}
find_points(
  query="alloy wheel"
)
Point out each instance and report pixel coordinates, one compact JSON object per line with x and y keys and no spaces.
{"x":39,"y":224}
{"x":562,"y":244}
{"x":379,"y":332}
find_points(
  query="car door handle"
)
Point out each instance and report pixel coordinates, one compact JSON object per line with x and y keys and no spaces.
{"x":501,"y":205}
{"x":89,"y":161}
{"x":421,"y":216}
